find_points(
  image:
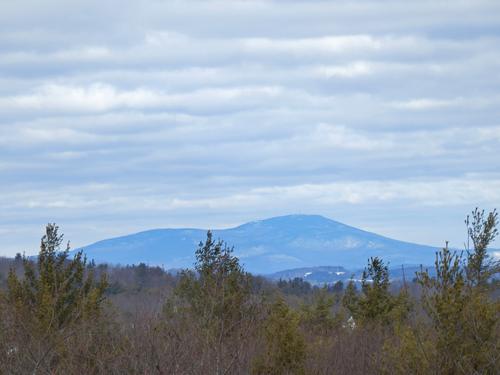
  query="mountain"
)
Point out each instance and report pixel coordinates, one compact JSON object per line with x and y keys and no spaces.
{"x":315,"y":275}
{"x":331,"y":274}
{"x":265,"y":246}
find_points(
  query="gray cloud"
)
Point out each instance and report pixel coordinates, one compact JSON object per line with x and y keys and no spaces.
{"x":119,"y":117}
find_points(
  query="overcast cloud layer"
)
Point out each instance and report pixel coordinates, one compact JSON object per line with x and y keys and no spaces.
{"x":121,"y":116}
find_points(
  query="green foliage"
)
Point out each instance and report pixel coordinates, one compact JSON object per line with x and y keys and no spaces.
{"x":463,"y":336}
{"x":216,"y":319}
{"x":375,"y":304}
{"x":46,"y":306}
{"x":338,"y":287}
{"x":350,"y":300}
{"x":409,"y":351}
{"x":376,"y":301}
{"x":464,"y":322}
{"x":296,"y":286}
{"x":285,"y":346}
{"x":318,"y":317}
{"x":444,"y":299}
{"x":218,"y":298}
{"x":217,"y":293}
{"x":482,"y":230}
{"x":55,"y":290}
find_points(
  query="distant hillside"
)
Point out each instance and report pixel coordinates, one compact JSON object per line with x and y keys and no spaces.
{"x":314,"y":275}
{"x":331,"y":274}
{"x":265,"y":246}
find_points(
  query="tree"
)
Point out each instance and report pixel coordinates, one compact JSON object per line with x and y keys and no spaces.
{"x":285,"y":349}
{"x":375,"y":304}
{"x":482,"y":231}
{"x":318,"y":316}
{"x":350,"y":300}
{"x":53,"y":296}
{"x":219,"y":288}
{"x":464,"y":319}
{"x":376,"y":301}
{"x":296,"y":286}
{"x":217,"y":294}
{"x":338,"y":287}
{"x":443,"y":299}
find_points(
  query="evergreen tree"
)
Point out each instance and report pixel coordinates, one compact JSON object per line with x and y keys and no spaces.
{"x":375,"y":304}
{"x":55,"y":290}
{"x":47,"y":304}
{"x":464,"y":319}
{"x":285,"y":350}
{"x":318,"y":317}
{"x":376,"y":301}
{"x":482,"y":231}
{"x":217,"y":295}
{"x":338,"y":287}
{"x":219,"y":289}
{"x":444,"y":300}
{"x":350,"y":300}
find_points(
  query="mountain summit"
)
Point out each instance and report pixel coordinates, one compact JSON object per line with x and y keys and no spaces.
{"x":265,"y":246}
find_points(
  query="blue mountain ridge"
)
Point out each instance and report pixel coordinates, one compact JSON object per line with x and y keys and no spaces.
{"x":265,"y":246}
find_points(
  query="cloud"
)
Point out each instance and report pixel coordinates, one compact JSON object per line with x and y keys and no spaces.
{"x":422,"y":104}
{"x":121,"y":116}
{"x":430,"y":104}
{"x":134,"y":198}
{"x":358,"y":68}
{"x":102,"y":97}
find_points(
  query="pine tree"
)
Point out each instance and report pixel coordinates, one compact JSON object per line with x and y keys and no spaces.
{"x":375,"y":304}
{"x":318,"y":317}
{"x":217,"y":295}
{"x":55,"y":290}
{"x":443,"y":298}
{"x":52,"y":297}
{"x":285,"y":346}
{"x":217,"y":292}
{"x":350,"y":301}
{"x":376,"y":301}
{"x":464,"y":319}
{"x":482,"y":231}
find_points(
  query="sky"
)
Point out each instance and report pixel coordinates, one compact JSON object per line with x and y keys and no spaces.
{"x":122,"y":116}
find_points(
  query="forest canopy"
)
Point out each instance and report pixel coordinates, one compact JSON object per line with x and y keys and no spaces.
{"x":63,"y":314}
